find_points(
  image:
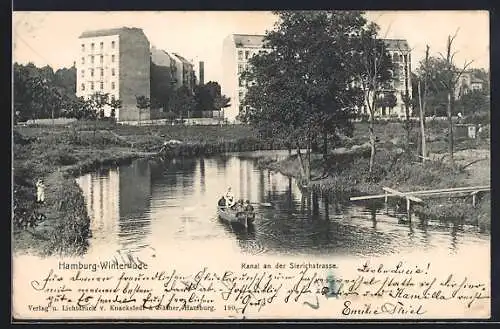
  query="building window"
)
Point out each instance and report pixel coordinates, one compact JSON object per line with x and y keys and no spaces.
{"x":241,"y":82}
{"x":113,"y":72}
{"x":240,"y":55}
{"x":83,"y":60}
{"x":91,"y":72}
{"x":83,"y":73}
{"x":102,"y":72}
{"x":247,"y":54}
{"x":83,"y":87}
{"x":91,"y":86}
{"x":83,"y":47}
{"x":92,"y":46}
{"x":113,"y":44}
{"x":102,"y":85}
{"x":112,"y":85}
{"x":113,"y":98}
{"x":113,"y":58}
{"x":92,"y":59}
{"x":102,"y":45}
{"x":240,"y":68}
{"x":102,"y":59}
{"x":240,"y":94}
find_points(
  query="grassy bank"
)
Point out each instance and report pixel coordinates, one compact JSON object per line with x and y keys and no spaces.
{"x":347,"y":175}
{"x":57,"y":154}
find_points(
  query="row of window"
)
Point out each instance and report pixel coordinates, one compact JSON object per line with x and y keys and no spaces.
{"x":242,"y":67}
{"x":101,"y":45}
{"x":399,"y":58}
{"x":101,"y":59}
{"x":101,"y":86}
{"x":247,"y":53}
{"x":82,"y":72}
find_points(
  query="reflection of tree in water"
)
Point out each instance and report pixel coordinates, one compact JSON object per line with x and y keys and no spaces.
{"x":202,"y":175}
{"x":455,"y":228}
{"x":169,"y":172}
{"x":221,"y":161}
{"x":307,"y":225}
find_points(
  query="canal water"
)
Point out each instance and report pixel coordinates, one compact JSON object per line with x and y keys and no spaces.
{"x":172,"y":205}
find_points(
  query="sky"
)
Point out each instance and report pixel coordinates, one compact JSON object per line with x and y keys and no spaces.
{"x":51,"y":38}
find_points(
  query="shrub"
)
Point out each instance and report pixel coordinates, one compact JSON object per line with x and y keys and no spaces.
{"x":478,"y":118}
{"x":61,"y":155}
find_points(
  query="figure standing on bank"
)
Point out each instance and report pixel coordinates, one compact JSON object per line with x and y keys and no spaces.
{"x":40,"y":191}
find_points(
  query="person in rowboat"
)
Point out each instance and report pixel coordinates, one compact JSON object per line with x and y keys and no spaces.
{"x":248,"y":207}
{"x":229,"y":198}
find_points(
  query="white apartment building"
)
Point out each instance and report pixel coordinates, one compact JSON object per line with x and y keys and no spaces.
{"x":117,"y":62}
{"x":237,"y":49}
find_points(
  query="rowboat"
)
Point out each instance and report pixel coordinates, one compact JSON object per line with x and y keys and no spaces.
{"x":232,"y":216}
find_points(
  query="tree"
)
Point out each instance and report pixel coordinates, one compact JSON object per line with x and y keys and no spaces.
{"x":297,"y":92}
{"x":115,"y":104}
{"x":434,"y":71}
{"x":450,"y":80}
{"x":83,"y":108}
{"x":473,"y":102}
{"x":182,"y":102}
{"x":374,"y":71}
{"x":208,"y":97}
{"x":143,"y":103}
{"x":37,"y":93}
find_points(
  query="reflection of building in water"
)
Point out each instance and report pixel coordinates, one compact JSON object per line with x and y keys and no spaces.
{"x":135,"y":189}
{"x":101,"y":192}
{"x":135,"y":196}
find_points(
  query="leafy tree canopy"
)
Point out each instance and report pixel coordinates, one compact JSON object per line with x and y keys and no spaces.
{"x":306,"y":84}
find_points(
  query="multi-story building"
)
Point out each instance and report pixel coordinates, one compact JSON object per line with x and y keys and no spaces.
{"x":117,"y":62}
{"x":186,"y":71}
{"x":237,"y":49}
{"x":400,"y":54}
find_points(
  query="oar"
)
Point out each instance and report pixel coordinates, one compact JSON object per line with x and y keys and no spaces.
{"x":264,"y":204}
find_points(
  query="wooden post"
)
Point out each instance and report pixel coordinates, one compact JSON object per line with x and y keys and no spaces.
{"x":408,"y":208}
{"x":386,"y":206}
{"x":474,"y":194}
{"x":422,"y":128}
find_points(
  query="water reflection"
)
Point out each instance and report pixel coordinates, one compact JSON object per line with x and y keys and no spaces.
{"x":172,"y":204}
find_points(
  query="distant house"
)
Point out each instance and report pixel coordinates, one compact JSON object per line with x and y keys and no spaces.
{"x":470,"y":80}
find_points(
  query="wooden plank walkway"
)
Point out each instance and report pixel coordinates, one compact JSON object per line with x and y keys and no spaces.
{"x":412,"y":195}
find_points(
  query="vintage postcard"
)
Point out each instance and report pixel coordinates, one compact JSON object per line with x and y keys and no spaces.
{"x":251,"y":165}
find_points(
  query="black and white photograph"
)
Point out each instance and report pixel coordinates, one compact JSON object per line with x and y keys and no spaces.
{"x":251,"y":165}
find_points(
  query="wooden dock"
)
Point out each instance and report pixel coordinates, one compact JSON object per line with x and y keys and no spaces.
{"x":415,"y":196}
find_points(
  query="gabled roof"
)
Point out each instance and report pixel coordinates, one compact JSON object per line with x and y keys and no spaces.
{"x":252,"y":40}
{"x":113,"y":31}
{"x":160,"y":56}
{"x":182,"y":59}
{"x":396,"y":44}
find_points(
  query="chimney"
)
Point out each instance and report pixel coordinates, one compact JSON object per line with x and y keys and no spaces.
{"x":202,"y":73}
